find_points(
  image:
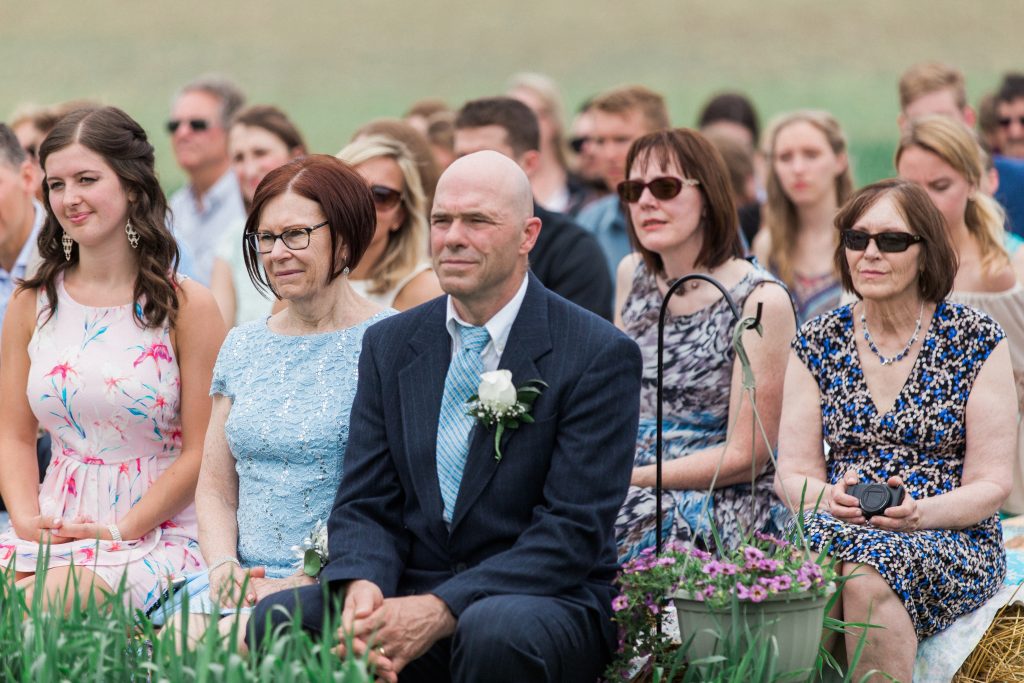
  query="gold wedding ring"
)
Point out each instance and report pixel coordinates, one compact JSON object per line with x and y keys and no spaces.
{"x":380,"y":651}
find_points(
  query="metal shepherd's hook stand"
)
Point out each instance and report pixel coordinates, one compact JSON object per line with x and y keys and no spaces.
{"x":736,"y":314}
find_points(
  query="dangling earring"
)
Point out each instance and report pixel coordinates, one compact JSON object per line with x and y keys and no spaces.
{"x":133,"y":235}
{"x":67,"y":242}
{"x":345,"y":271}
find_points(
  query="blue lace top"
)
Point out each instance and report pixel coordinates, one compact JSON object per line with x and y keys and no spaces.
{"x":288,"y":430}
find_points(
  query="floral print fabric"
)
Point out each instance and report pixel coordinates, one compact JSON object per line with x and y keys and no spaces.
{"x":940,"y":574}
{"x":699,"y":360}
{"x":108,"y":392}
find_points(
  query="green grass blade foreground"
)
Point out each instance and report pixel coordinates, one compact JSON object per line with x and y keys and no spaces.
{"x":112,"y":642}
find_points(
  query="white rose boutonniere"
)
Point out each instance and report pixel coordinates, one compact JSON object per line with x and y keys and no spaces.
{"x":498,"y":403}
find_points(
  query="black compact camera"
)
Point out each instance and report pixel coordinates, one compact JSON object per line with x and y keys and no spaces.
{"x":876,"y":498}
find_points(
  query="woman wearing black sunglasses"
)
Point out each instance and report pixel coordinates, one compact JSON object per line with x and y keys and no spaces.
{"x":912,"y":394}
{"x":682,"y":221}
{"x":395,"y":270}
{"x":944,"y":158}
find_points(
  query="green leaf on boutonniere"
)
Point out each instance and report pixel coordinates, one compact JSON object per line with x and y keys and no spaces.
{"x":311,"y":563}
{"x":497,"y":441}
{"x":502,"y":414}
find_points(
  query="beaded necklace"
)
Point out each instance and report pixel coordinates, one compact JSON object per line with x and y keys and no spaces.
{"x":906,"y":349}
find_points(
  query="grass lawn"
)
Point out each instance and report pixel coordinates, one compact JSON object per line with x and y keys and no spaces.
{"x":334,"y":64}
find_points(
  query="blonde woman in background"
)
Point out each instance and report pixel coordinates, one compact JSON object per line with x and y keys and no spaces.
{"x":808,"y":179}
{"x":395,"y":271}
{"x":943,"y":156}
{"x":260,"y":138}
{"x":417,"y":144}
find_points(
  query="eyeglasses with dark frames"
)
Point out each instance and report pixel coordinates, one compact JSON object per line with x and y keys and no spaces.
{"x":295,"y":239}
{"x":662,"y":188}
{"x":197,"y":125}
{"x":888,"y":242}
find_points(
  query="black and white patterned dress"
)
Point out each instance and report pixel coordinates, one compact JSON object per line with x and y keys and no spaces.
{"x":939,"y":574}
{"x":697,"y":384}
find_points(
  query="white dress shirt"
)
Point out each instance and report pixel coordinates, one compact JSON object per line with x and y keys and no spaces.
{"x":201,"y":230}
{"x":498,"y":327}
{"x":19,"y":271}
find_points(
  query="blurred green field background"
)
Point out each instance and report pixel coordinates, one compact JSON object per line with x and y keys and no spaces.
{"x":335,"y":64}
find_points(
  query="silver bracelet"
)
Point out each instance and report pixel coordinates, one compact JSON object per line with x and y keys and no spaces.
{"x":115,"y":533}
{"x":221,"y":562}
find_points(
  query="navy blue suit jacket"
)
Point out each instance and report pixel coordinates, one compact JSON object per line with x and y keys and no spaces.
{"x":538,"y":522}
{"x":568,"y":260}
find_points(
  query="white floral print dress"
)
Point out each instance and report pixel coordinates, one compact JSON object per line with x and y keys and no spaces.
{"x":108,"y":392}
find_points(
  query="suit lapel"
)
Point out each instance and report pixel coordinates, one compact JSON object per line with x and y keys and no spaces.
{"x":421,"y":386}
{"x":528,"y":340}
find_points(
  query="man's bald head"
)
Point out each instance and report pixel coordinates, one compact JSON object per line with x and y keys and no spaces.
{"x":481,"y":231}
{"x":499,"y":173}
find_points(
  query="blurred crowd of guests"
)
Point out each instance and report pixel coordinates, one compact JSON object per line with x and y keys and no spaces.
{"x":787,"y":183}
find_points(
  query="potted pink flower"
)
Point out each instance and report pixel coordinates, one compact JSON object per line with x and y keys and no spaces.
{"x":767,"y":585}
{"x":753,"y":572}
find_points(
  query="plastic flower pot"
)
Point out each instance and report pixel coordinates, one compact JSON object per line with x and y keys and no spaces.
{"x":794,"y":620}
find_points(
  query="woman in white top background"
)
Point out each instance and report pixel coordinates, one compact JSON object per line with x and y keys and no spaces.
{"x":260,"y":138}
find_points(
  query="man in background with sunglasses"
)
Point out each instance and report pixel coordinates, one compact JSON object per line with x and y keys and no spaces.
{"x":1010,"y":112}
{"x":211,"y":202}
{"x":566,"y":258}
{"x":585,"y":165}
{"x":937,"y":89}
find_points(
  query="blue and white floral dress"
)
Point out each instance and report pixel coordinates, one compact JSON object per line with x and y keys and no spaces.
{"x":940,"y":574}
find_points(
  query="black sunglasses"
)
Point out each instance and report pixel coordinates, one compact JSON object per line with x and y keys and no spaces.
{"x":662,"y":188}
{"x":385,"y":197}
{"x":1005,"y":121}
{"x":197,"y":125}
{"x":888,"y":242}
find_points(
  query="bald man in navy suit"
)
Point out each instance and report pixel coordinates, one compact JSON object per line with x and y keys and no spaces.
{"x":453,"y":563}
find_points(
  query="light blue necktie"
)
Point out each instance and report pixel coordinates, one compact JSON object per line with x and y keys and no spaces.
{"x":453,"y":425}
